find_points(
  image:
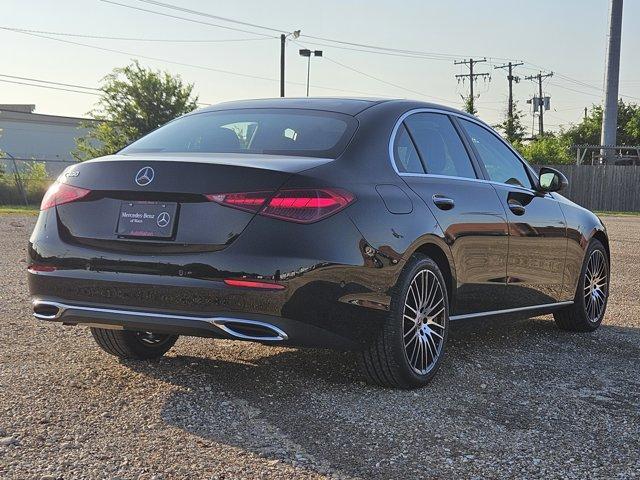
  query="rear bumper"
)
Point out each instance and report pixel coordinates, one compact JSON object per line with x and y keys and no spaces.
{"x":310,"y":313}
{"x":257,"y":328}
{"x":334,"y":295}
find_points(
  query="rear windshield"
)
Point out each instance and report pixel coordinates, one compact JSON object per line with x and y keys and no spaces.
{"x":307,"y":133}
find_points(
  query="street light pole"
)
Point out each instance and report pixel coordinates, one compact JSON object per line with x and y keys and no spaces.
{"x":308,"y":72}
{"x":305,"y":52}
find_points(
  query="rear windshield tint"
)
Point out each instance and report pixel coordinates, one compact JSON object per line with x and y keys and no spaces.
{"x":307,"y":133}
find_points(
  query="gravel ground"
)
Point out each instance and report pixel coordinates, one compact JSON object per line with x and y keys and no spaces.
{"x":514,"y":399}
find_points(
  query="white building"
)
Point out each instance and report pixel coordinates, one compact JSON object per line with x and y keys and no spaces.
{"x":27,"y":135}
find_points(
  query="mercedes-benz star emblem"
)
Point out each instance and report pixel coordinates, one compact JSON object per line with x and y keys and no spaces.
{"x":163,"y":219}
{"x":145,"y":176}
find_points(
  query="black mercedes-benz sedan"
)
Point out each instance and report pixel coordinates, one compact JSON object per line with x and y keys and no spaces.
{"x":354,"y":224}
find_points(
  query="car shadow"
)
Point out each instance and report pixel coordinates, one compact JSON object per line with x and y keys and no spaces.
{"x":310,"y":407}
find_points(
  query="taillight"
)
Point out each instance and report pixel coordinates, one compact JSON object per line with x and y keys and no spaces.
{"x":61,"y":193}
{"x":302,"y":205}
{"x":251,"y":202}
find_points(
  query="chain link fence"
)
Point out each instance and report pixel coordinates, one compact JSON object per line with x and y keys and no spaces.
{"x":24,"y":181}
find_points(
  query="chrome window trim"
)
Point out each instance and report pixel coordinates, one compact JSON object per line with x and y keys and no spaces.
{"x":394,"y":132}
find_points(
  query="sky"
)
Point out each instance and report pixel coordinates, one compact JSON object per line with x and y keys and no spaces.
{"x":567,"y":37}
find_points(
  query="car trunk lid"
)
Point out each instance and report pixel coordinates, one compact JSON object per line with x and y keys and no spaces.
{"x":157,"y":202}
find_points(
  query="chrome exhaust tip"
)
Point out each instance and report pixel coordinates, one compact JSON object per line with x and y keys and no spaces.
{"x":44,"y":310}
{"x":250,"y":329}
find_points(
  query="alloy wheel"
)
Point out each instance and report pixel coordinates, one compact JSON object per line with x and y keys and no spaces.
{"x":424,"y":320}
{"x":595,"y":286}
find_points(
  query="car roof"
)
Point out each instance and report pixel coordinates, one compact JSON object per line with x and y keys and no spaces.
{"x":349,"y":106}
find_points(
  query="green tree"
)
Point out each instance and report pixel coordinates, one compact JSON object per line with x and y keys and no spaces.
{"x":588,"y":130}
{"x":134,"y":101}
{"x":556,"y":148}
{"x":548,"y":149}
{"x":469,"y":105}
{"x":631,"y":128}
{"x":512,"y":128}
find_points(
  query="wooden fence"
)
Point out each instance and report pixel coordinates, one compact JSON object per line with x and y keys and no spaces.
{"x":603,"y":187}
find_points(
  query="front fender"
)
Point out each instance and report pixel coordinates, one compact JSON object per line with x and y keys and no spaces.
{"x":582,"y":226}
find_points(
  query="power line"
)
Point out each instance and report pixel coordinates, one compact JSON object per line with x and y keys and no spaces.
{"x":135,"y":39}
{"x":375,"y":52}
{"x":209,"y":15}
{"x":49,"y":87}
{"x":432,"y":55}
{"x":338,"y":44}
{"x":50,"y":84}
{"x":283,"y":34}
{"x":48,"y":81}
{"x":217,"y":17}
{"x":201,"y":67}
{"x":375,"y":49}
{"x":564,"y":87}
{"x":122,"y":52}
{"x":368,"y":75}
{"x":193,"y":20}
{"x":589,"y":93}
{"x":579,"y":82}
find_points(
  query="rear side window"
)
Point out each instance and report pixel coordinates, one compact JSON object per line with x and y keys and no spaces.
{"x":501,"y":163}
{"x":405,"y":154}
{"x":439,"y":145}
{"x":307,"y":133}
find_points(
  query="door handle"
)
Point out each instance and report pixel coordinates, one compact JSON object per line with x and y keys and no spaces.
{"x":442,"y":202}
{"x":516,"y":207}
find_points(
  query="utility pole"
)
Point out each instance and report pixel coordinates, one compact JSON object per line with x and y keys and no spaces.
{"x":511,"y":79}
{"x":472,"y":77}
{"x":539,"y":78}
{"x":610,"y":111}
{"x":283,"y":41}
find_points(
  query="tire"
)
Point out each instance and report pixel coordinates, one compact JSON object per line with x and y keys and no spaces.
{"x":582,"y":316}
{"x":127,"y":344}
{"x":388,"y":362}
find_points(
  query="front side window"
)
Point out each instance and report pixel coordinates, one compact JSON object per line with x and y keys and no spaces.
{"x":501,"y":163}
{"x":306,"y":133}
{"x":439,"y":145}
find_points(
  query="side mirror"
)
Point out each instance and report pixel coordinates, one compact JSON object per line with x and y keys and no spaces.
{"x":551,"y":180}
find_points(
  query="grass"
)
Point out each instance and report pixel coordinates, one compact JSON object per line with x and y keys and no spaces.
{"x":24,"y":209}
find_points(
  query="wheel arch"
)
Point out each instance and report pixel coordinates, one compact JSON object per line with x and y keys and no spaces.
{"x":604,"y":239}
{"x":442,"y":256}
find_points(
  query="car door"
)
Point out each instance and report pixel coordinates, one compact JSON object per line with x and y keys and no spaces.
{"x":537,"y":227}
{"x":433,"y":160}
